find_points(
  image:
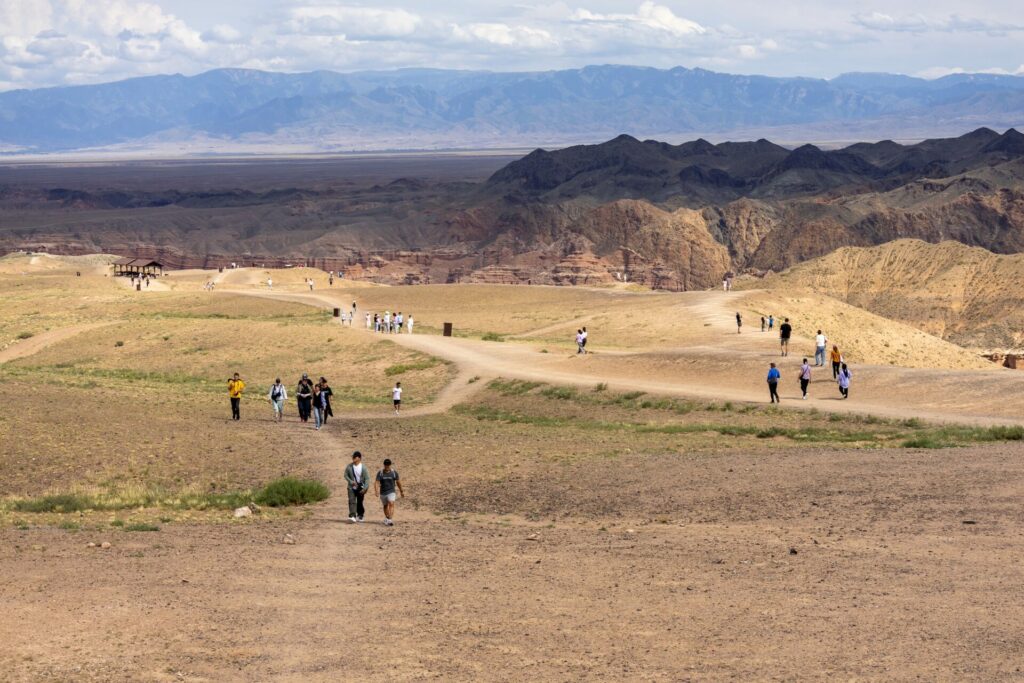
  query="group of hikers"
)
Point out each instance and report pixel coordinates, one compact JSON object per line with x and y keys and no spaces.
{"x":841,"y":374}
{"x":312,"y":399}
{"x":388,"y":322}
{"x":386,"y":485}
{"x":581,"y":340}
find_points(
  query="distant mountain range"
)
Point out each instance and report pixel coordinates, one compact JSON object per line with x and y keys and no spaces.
{"x":255,"y":111}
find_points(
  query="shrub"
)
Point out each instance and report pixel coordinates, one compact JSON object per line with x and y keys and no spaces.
{"x":118,"y":343}
{"x":142,"y":527}
{"x":493,"y":336}
{"x":292,"y":491}
{"x":560,"y":393}
{"x":600,"y":386}
{"x":60,"y":502}
{"x":25,"y":335}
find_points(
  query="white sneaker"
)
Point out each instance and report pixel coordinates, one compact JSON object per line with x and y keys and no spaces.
{"x":351,"y":520}
{"x":805,"y":398}
{"x":359,"y":519}
{"x":388,"y":522}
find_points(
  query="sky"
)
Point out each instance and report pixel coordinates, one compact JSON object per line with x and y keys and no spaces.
{"x":70,"y":42}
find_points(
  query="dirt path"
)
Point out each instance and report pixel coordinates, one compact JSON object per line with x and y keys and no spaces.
{"x":40,"y":341}
{"x":721,"y":366}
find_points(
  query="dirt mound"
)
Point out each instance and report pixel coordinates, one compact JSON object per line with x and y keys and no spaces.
{"x":966,"y":295}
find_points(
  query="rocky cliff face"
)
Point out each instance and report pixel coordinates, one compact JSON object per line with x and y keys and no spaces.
{"x":664,"y":216}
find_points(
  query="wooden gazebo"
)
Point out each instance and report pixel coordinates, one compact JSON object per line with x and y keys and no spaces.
{"x":138,"y":267}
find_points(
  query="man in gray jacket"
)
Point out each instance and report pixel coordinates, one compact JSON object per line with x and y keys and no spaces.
{"x":358,"y":483}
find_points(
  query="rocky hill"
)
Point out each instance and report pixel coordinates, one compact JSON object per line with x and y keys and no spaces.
{"x":966,"y":295}
{"x":645,"y":212}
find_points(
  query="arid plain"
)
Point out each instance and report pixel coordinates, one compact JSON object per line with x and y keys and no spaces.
{"x":638,"y":513}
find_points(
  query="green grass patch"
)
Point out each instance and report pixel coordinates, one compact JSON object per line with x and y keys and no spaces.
{"x":141,"y":527}
{"x":512,"y":387}
{"x":402,"y":368}
{"x":559,"y":393}
{"x":290,"y":491}
{"x":492,"y":336}
{"x":26,"y":335}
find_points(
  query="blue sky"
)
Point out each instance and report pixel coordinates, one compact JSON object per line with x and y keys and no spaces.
{"x":60,"y":42}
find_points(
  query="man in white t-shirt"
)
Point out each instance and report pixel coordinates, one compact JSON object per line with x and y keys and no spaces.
{"x":358,"y":484}
{"x":820,"y":343}
{"x":409,"y":324}
{"x":396,"y":396}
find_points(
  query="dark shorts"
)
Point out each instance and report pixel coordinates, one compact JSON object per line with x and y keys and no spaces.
{"x":398,"y":402}
{"x":784,"y":341}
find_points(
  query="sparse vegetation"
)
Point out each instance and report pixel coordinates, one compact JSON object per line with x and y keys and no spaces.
{"x":492,"y":336}
{"x":291,"y":491}
{"x":402,"y":368}
{"x":139,"y":526}
{"x":26,"y":335}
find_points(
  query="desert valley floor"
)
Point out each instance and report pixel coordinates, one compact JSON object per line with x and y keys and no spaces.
{"x":637,"y":513}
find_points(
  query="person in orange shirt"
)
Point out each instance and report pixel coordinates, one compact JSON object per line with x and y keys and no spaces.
{"x":235,"y":388}
{"x":837,"y":360}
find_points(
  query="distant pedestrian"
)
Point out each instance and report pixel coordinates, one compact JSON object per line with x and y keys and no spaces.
{"x":325,"y":394}
{"x":585,"y":337}
{"x":805,"y":378}
{"x":330,"y":281}
{"x":579,"y":342}
{"x":318,"y":407}
{"x":820,"y":344}
{"x":235,"y":388}
{"x":304,"y":398}
{"x":844,"y":381}
{"x":739,"y":323}
{"x":771,"y":323}
{"x":773,"y":382}
{"x":270,"y":283}
{"x":763,"y":323}
{"x":396,"y":397}
{"x":837,"y":360}
{"x":278,"y":395}
{"x":369,"y":323}
{"x":384,"y":486}
{"x":358,"y":482}
{"x":409,"y":324}
{"x":785,"y":332}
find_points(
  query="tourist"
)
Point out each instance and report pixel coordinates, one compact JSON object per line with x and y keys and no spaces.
{"x":318,"y":407}
{"x":739,"y":323}
{"x":358,"y":484}
{"x":763,"y":323}
{"x":805,"y":378}
{"x":369,"y":323}
{"x":304,"y":398}
{"x":384,"y":486}
{"x":579,"y":342}
{"x":409,"y":323}
{"x":844,"y":381}
{"x":785,"y":332}
{"x":773,"y":382}
{"x":330,"y":280}
{"x":387,"y":322}
{"x":771,"y":322}
{"x":235,"y":388}
{"x":325,"y":394}
{"x":396,"y":397}
{"x":278,"y":395}
{"x":820,"y":343}
{"x":311,"y":284}
{"x":270,"y":283}
{"x":585,"y":335}
{"x":837,"y":360}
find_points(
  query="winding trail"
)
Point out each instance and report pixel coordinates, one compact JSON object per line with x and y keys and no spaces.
{"x":33,"y":345}
{"x":723,"y":366}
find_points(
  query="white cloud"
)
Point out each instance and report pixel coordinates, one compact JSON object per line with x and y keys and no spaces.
{"x":504,"y":35}
{"x":919,"y":23}
{"x":221,"y":33}
{"x":648,"y":15}
{"x":356,"y":23}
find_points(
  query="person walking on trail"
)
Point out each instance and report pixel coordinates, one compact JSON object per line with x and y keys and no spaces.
{"x":773,"y":382}
{"x":785,"y":332}
{"x":739,"y":323}
{"x":837,"y":360}
{"x":409,"y":324}
{"x":358,"y":481}
{"x":304,"y":398}
{"x":369,"y":323}
{"x":278,"y":395}
{"x":384,"y":486}
{"x":318,"y":408}
{"x":763,"y":323}
{"x":235,"y":388}
{"x":820,"y":344}
{"x":585,"y":335}
{"x":325,"y":395}
{"x":396,"y":397}
{"x":579,"y":342}
{"x":771,"y":322}
{"x":270,"y":283}
{"x":844,"y":381}
{"x":805,"y":378}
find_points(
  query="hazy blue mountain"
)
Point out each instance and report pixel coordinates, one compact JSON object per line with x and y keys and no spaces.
{"x":429,"y":108}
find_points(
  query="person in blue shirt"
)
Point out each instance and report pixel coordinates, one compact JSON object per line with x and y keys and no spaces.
{"x":773,"y":382}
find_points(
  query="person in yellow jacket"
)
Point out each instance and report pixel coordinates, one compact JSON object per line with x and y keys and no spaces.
{"x":235,"y":388}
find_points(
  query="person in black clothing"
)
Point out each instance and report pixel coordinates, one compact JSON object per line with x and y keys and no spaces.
{"x":739,"y":323}
{"x":785,"y":332}
{"x":304,"y":398}
{"x":325,"y":394}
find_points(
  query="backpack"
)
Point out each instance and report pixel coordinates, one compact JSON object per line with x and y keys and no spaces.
{"x":275,"y":393}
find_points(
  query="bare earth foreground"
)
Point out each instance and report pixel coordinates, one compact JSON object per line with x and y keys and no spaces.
{"x":543,"y":546}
